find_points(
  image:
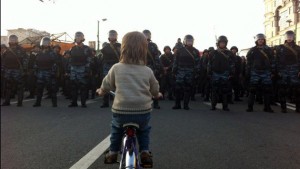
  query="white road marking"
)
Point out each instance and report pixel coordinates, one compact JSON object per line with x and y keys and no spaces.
{"x":289,"y":106}
{"x":93,"y":155}
{"x":28,"y":100}
{"x":218,"y":106}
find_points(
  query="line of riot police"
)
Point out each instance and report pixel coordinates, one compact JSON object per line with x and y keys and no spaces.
{"x":266,"y":74}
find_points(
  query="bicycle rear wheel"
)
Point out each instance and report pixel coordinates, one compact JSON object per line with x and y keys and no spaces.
{"x":130,"y":160}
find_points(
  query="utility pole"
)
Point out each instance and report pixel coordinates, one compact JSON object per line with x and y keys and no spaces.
{"x":98,"y":40}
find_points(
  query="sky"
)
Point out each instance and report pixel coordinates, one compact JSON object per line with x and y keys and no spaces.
{"x":239,"y":20}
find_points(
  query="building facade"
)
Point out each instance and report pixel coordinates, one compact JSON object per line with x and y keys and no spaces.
{"x":4,"y":40}
{"x":281,"y":16}
{"x":25,"y":33}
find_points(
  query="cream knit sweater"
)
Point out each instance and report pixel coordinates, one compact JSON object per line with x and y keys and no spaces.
{"x":134,"y":87}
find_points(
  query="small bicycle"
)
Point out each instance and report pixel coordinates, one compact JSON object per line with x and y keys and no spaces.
{"x":129,"y":153}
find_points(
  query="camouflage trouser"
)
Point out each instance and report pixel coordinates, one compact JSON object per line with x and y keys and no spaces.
{"x":289,"y":75}
{"x":46,"y":79}
{"x":79,"y":74}
{"x":183,"y":86}
{"x":260,"y":78}
{"x":289,"y":84}
{"x":14,"y":81}
{"x":260,"y":81}
{"x":220,"y":88}
{"x":79,"y":80}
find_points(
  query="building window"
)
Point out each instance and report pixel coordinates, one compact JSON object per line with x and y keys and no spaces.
{"x":283,"y":20}
{"x":278,"y":3}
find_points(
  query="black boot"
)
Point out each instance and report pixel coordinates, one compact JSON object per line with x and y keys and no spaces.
{"x":267,"y":103}
{"x":186,"y":101}
{"x":251,"y":102}
{"x":38,"y":101}
{"x":7,"y":98}
{"x":250,"y":108}
{"x":214,"y":100}
{"x":73,"y":104}
{"x":225,"y":102}
{"x":186,"y":107}
{"x":54,"y":101}
{"x":283,"y":107}
{"x":20,"y":97}
{"x":177,"y":104}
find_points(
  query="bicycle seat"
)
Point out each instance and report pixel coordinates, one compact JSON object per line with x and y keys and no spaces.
{"x":131,"y":125}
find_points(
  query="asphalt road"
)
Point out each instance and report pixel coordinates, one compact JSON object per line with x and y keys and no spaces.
{"x":57,"y":138}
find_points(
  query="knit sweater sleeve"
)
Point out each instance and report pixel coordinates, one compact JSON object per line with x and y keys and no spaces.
{"x":108,"y":82}
{"x":154,"y":86}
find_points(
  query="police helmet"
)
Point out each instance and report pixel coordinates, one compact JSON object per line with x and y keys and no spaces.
{"x":167,"y":47}
{"x":188,"y":38}
{"x":79,"y":37}
{"x":222,"y":39}
{"x":234,"y":47}
{"x":147,"y":33}
{"x":112,"y":35}
{"x":13,"y":39}
{"x":260,"y":36}
{"x":289,"y":34}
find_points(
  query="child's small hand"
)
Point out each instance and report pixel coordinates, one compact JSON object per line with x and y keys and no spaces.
{"x":100,"y":92}
{"x":158,"y":96}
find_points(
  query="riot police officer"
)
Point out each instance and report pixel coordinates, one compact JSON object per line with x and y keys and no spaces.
{"x":31,"y":78}
{"x":46,"y":71}
{"x":95,"y":79}
{"x":153,"y":61}
{"x":79,"y":69}
{"x":236,"y":81}
{"x":221,"y":70}
{"x":288,"y":69}
{"x":167,"y":60}
{"x":260,"y":65}
{"x":203,"y":74}
{"x":14,"y":64}
{"x":110,"y":56}
{"x":186,"y":67}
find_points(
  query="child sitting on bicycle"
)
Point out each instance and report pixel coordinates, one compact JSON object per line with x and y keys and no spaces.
{"x":135,"y":85}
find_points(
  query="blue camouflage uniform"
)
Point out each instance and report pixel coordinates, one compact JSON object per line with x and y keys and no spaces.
{"x":46,"y":74}
{"x":14,"y":64}
{"x":288,"y":68}
{"x":186,"y":66}
{"x":260,"y":66}
{"x":79,"y":69}
{"x":220,"y":68}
